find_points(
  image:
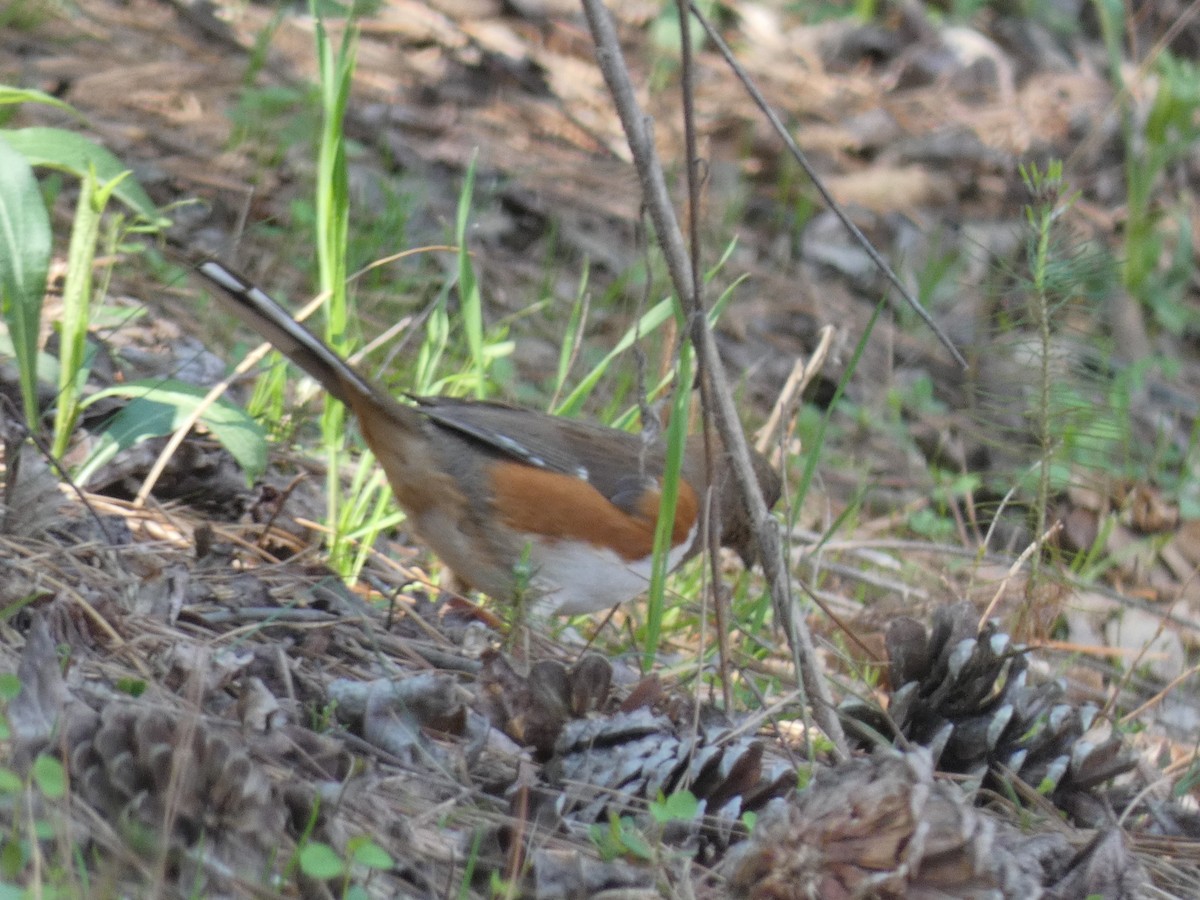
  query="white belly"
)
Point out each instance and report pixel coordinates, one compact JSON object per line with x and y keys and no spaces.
{"x":571,"y":579}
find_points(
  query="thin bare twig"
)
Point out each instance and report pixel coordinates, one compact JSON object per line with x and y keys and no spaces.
{"x":1036,"y":546}
{"x":788,"y":401}
{"x":654,"y":190}
{"x":695,"y":304}
{"x":798,"y":154}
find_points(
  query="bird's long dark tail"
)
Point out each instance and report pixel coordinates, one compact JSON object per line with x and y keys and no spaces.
{"x":255,"y":308}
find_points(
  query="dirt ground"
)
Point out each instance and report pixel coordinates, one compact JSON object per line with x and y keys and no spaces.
{"x":276,"y":710}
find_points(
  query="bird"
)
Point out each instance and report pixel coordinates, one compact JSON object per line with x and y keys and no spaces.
{"x":516,"y":501}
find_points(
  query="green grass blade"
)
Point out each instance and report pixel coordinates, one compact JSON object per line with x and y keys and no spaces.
{"x":433,"y":348}
{"x":676,"y":441}
{"x":649,"y":322}
{"x":77,"y":300}
{"x":24,"y":264}
{"x":469,"y":298}
{"x":332,"y":238}
{"x":373,"y":511}
{"x":269,"y":401}
{"x":572,"y":335}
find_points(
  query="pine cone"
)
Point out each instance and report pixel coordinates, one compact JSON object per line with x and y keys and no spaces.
{"x":533,"y":709}
{"x":965,"y":696}
{"x":143,"y":766}
{"x":884,"y":828}
{"x":601,"y":765}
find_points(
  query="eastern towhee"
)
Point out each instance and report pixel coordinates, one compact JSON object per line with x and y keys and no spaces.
{"x":487,"y":486}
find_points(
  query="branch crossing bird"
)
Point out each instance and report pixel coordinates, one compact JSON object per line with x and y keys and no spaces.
{"x":489,"y":486}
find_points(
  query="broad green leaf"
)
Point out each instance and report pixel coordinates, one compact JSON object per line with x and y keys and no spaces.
{"x":24,"y":262}
{"x":10,"y":686}
{"x":10,"y":782}
{"x":47,"y":365}
{"x":368,"y":853}
{"x":318,"y":861}
{"x":12,"y":864}
{"x":10,"y":95}
{"x":159,"y":407}
{"x":634,"y":841}
{"x":50,"y":777}
{"x":134,"y":687}
{"x":66,"y":151}
{"x":681,"y":806}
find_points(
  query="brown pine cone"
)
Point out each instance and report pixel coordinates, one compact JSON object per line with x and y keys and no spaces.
{"x":604,"y":766}
{"x":884,"y":828}
{"x":146,"y":768}
{"x":966,"y":696}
